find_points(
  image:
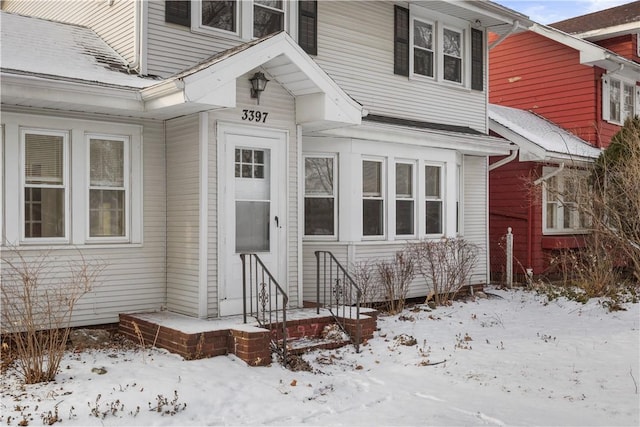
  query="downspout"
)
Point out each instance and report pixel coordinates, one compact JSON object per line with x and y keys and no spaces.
{"x":137,"y":40}
{"x":513,"y":29}
{"x":549,"y":175}
{"x":504,"y":161}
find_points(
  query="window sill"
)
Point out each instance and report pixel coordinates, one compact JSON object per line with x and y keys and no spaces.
{"x":67,"y":246}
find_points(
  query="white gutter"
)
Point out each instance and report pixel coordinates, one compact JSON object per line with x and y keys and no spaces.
{"x":513,"y":29}
{"x":504,"y":161}
{"x":549,"y":175}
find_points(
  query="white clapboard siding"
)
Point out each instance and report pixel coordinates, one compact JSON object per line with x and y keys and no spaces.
{"x":281,"y":108}
{"x":113,"y":21}
{"x":355,"y":46}
{"x":183,"y":214}
{"x":132,"y":277}
{"x":475,"y":212}
{"x":172,"y":48}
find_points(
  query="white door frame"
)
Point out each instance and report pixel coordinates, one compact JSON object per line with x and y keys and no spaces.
{"x":223,"y":187}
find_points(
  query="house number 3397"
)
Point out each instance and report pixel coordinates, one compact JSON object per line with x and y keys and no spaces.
{"x":254,"y":116}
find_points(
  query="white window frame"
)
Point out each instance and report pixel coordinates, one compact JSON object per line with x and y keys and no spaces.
{"x":65,"y":185}
{"x":126,"y":187}
{"x":412,"y":198}
{"x":560,"y":206}
{"x":382,"y":197}
{"x":441,"y":199}
{"x":243,"y":20}
{"x":334,"y":195}
{"x":606,"y":98}
{"x":440,"y":22}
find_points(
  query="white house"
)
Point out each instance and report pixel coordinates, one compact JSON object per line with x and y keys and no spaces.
{"x":130,"y":134}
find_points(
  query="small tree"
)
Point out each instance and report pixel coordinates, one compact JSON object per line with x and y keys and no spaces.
{"x":363,"y":274}
{"x":395,"y":276}
{"x":37,"y":304}
{"x":446,"y":264}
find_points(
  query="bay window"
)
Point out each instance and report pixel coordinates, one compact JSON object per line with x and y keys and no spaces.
{"x":433,"y":199}
{"x":405,"y":199}
{"x":45,"y":184}
{"x":319,"y":196}
{"x":372,"y":198}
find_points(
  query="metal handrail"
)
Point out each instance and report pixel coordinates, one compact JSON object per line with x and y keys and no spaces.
{"x":263,"y":289}
{"x":340,"y":294}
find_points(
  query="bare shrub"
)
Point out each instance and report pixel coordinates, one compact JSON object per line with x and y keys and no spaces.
{"x":38,"y":297}
{"x":394,"y":277}
{"x":446,"y":264}
{"x":363,"y":274}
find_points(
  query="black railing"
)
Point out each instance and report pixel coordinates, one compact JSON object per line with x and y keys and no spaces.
{"x":266,"y":299}
{"x":338,"y":292}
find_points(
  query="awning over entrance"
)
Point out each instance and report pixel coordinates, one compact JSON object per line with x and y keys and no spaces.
{"x":320,"y":102}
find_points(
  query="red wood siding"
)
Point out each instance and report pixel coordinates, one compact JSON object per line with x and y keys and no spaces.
{"x":533,"y":73}
{"x":625,"y":45}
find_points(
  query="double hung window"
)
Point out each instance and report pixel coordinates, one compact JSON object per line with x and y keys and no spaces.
{"x":45,"y":184}
{"x":218,"y":14}
{"x":108,"y":186}
{"x":433,"y":199}
{"x":405,"y":199}
{"x":319,"y":196}
{"x":372,"y":198}
{"x":268,"y":17}
{"x":564,"y":194}
{"x":620,"y":99}
{"x":423,"y":48}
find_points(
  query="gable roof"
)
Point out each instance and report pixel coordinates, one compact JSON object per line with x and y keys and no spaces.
{"x":538,"y":138}
{"x":608,"y":18}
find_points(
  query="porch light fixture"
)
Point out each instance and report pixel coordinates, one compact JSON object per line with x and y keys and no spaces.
{"x":258,"y":84}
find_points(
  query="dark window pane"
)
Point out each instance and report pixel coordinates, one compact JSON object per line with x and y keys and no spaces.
{"x":237,"y":170}
{"x":46,"y":212}
{"x":178,"y":12}
{"x":371,"y":178}
{"x":258,"y":157}
{"x":319,"y":216}
{"x":434,"y":217}
{"x":452,"y":69}
{"x":423,"y":62}
{"x":219,"y":14}
{"x":258,"y":171}
{"x":318,"y":175}
{"x":266,"y":21}
{"x":372,"y":218}
{"x":404,"y":217}
{"x":246,"y":171}
{"x":237,"y":155}
{"x":423,"y":35}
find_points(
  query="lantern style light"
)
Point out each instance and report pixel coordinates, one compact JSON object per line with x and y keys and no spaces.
{"x":258,"y":85}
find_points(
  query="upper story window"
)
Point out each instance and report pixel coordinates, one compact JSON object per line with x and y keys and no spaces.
{"x":268,"y":17}
{"x":219,"y":14}
{"x":320,"y":196}
{"x":620,"y":99}
{"x":440,"y":49}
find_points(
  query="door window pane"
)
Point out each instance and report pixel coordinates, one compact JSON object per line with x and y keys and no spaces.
{"x":252,"y":226}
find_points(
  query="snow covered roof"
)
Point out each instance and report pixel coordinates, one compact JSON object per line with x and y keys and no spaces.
{"x":537,"y":137}
{"x":40,"y":47}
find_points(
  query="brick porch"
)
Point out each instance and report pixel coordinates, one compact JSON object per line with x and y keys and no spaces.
{"x":194,"y":338}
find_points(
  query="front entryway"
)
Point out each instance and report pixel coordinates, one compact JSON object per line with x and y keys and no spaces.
{"x":253,"y":207}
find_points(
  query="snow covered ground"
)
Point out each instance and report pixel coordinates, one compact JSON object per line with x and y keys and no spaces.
{"x":512,"y":359}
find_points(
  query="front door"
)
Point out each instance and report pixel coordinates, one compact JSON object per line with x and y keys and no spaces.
{"x":254,"y":209}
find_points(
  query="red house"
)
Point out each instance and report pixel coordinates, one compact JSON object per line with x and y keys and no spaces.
{"x":559,"y":92}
